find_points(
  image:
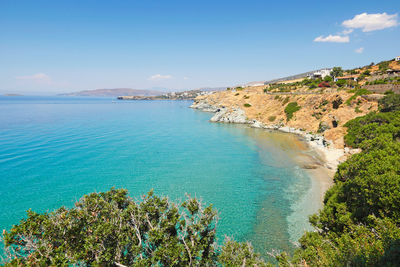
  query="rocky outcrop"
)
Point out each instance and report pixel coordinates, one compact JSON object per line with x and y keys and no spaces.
{"x":203,"y":105}
{"x":234,"y":115}
{"x":320,"y":121}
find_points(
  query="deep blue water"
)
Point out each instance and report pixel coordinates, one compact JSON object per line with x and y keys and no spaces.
{"x":55,"y":149}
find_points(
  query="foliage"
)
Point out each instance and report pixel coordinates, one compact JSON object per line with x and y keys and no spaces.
{"x":271,"y":118}
{"x":324,"y":84}
{"x":239,"y":254}
{"x":336,"y":72}
{"x":337,"y":102}
{"x":366,"y":73}
{"x":290,"y":109}
{"x":351,"y":72}
{"x":389,"y":92}
{"x":383,"y":66}
{"x":359,"y":223}
{"x":371,"y":126}
{"x":359,"y":246}
{"x":357,"y":92}
{"x":285,"y":100}
{"x":341,"y":83}
{"x":247,"y":105}
{"x":110,"y":228}
{"x":328,"y":79}
{"x":287,"y":87}
{"x":391,"y":102}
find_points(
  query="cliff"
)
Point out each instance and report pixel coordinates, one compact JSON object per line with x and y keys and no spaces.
{"x":318,"y":116}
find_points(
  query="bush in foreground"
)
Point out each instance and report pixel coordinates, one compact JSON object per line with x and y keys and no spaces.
{"x":111,"y":229}
{"x":359,"y":224}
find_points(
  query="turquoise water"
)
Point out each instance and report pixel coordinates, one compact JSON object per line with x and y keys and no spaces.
{"x":54,"y":150}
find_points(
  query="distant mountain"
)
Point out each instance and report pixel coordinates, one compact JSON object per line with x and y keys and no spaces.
{"x":12,"y":95}
{"x":115,"y":92}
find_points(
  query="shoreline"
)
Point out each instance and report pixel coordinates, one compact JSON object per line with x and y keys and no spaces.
{"x":320,"y":160}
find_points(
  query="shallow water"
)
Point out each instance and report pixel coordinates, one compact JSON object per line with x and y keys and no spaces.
{"x":54,"y":150}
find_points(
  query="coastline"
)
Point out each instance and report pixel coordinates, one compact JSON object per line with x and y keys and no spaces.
{"x":319,"y":159}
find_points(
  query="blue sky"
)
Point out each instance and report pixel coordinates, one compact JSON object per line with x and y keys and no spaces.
{"x":50,"y":47}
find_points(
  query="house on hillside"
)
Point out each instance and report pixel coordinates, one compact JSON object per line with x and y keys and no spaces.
{"x":393,"y":72}
{"x":322,"y":73}
{"x":253,"y":84}
{"x":353,"y":77}
{"x":397,"y":58}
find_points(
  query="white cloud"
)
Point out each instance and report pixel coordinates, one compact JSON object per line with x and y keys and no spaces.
{"x":333,"y":39}
{"x":347,"y":32}
{"x":359,"y":50}
{"x":159,"y":77}
{"x":186,"y":78}
{"x":38,"y":77}
{"x":371,"y":22}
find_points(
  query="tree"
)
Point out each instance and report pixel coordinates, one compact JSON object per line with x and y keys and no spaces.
{"x":359,"y":223}
{"x":341,"y":83}
{"x":384,"y":65}
{"x":336,"y":72}
{"x":110,"y":229}
{"x":391,"y":102}
{"x":290,"y":109}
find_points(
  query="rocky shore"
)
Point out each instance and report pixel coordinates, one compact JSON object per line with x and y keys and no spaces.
{"x":331,"y":156}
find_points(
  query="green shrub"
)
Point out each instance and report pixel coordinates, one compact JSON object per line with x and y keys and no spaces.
{"x":112,"y":229}
{"x":383,"y":66}
{"x":371,"y":126}
{"x":357,"y":92}
{"x":286,"y":100}
{"x":389,"y":92}
{"x":391,"y":102}
{"x":271,"y":118}
{"x":341,"y":83}
{"x":246,"y":97}
{"x":366,"y":73}
{"x":247,"y":105}
{"x":324,"y":103}
{"x":359,"y":223}
{"x":336,"y":72}
{"x":290,"y":109}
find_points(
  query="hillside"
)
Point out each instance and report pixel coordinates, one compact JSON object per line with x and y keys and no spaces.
{"x":315,"y":108}
{"x":115,"y":92}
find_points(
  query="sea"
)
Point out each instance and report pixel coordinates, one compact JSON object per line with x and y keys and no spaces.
{"x":53,"y":150}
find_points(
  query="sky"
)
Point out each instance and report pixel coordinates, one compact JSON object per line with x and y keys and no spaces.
{"x":51,"y":47}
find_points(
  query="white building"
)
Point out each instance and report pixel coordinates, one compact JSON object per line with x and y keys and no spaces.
{"x":253,"y":84}
{"x":320,"y":74}
{"x":397,"y":58}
